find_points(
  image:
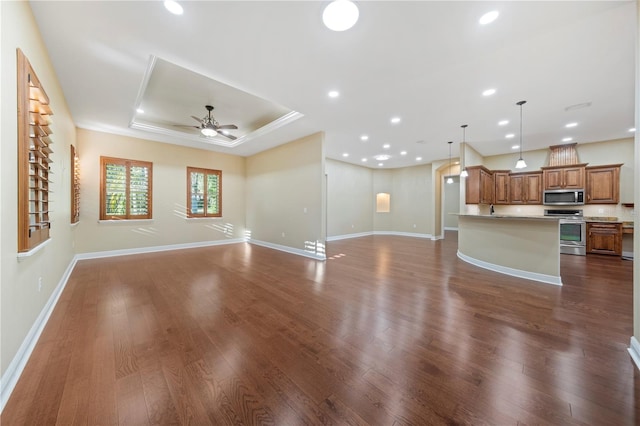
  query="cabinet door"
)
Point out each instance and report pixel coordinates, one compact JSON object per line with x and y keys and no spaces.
{"x":501,"y":192}
{"x":553,"y":179}
{"x":604,"y":238}
{"x":516,"y":190}
{"x":573,"y":178}
{"x":533,"y":186}
{"x":486,"y":183}
{"x":603,"y":185}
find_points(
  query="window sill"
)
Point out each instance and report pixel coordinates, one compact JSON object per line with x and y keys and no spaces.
{"x":124,"y":221}
{"x":196,"y":219}
{"x":26,"y":254}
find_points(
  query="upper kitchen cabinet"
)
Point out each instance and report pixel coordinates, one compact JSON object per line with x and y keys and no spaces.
{"x":479,"y":185}
{"x":564,"y":177}
{"x":525,"y":188}
{"x":501,"y":190}
{"x":603,"y":184}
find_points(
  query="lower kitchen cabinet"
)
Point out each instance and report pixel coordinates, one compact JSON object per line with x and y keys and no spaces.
{"x":604,"y":238}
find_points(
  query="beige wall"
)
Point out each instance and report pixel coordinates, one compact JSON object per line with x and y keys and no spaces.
{"x":284,"y":195}
{"x":350,"y":198}
{"x":21,"y":301}
{"x":451,"y":203}
{"x":410,"y":200}
{"x":169,"y":224}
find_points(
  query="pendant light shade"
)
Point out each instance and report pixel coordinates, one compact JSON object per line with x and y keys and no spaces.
{"x":464,"y":173}
{"x":520,"y":164}
{"x":449,"y":178}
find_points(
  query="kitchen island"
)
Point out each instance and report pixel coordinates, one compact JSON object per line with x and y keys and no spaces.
{"x":522,"y":246}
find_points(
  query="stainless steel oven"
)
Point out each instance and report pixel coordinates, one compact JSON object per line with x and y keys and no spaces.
{"x":573,"y":232}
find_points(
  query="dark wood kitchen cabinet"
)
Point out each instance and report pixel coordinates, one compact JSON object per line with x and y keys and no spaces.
{"x":479,"y":185}
{"x":564,"y":177}
{"x":603,"y":184}
{"x":501,"y":190}
{"x":604,"y":238}
{"x":525,"y":188}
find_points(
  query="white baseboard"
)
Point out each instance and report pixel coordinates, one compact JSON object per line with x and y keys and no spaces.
{"x":627,"y":255}
{"x":451,"y":228}
{"x":16,"y":367}
{"x":152,"y":249}
{"x":288,"y":249}
{"x":547,"y":279}
{"x":634,"y":351}
{"x":366,"y":234}
{"x":346,"y":236}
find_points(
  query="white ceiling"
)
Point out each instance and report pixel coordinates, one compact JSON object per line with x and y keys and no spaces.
{"x":426,"y":62}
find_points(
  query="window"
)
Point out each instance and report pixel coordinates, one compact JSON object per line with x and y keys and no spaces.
{"x":204,"y":192}
{"x":34,"y":158}
{"x":125,"y":189}
{"x":75,"y":186}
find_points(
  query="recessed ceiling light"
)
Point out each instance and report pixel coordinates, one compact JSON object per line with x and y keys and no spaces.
{"x":574,"y":124}
{"x":345,"y":154}
{"x":380,"y":164}
{"x":510,"y":135}
{"x":364,"y":138}
{"x":489,"y":17}
{"x":340,"y":15}
{"x":503,"y":122}
{"x":403,"y":152}
{"x":395,"y":120}
{"x":173,"y":7}
{"x":140,"y":111}
{"x":567,"y":139}
{"x":489,"y":92}
{"x":418,"y":158}
{"x":515,"y":147}
{"x":334,"y":94}
{"x":382,"y":157}
{"x":364,"y":160}
{"x":633,"y":129}
{"x":386,"y":146}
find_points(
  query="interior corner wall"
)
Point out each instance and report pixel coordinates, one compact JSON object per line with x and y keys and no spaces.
{"x":350,"y":199}
{"x":169,"y":225}
{"x":636,"y":244}
{"x":284,"y":195}
{"x":22,"y":299}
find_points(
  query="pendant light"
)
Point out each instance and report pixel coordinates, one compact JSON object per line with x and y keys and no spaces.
{"x":464,"y":173}
{"x":520,"y":164}
{"x":450,"y":179}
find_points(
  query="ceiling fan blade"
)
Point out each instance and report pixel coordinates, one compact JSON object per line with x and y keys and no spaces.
{"x":228,"y":126}
{"x":199,"y":120}
{"x":228,"y":136}
{"x":186,"y":126}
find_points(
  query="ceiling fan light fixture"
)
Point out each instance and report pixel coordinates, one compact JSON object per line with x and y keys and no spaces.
{"x":340,"y":15}
{"x":208,"y":132}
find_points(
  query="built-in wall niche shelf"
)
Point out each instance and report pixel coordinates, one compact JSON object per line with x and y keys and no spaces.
{"x":34,"y":158}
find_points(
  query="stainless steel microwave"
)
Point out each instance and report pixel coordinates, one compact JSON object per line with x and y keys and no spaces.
{"x":563,"y":197}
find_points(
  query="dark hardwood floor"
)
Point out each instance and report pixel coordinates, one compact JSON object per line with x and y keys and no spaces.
{"x":388,"y":331}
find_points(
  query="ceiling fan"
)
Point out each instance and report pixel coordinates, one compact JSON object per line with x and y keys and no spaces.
{"x":210,"y":127}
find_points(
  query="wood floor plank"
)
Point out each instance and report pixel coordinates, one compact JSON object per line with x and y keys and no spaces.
{"x":388,"y":331}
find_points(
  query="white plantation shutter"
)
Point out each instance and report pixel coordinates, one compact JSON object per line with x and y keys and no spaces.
{"x":125,"y":189}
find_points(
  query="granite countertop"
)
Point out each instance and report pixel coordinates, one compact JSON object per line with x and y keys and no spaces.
{"x":608,"y":219}
{"x":507,"y":216}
